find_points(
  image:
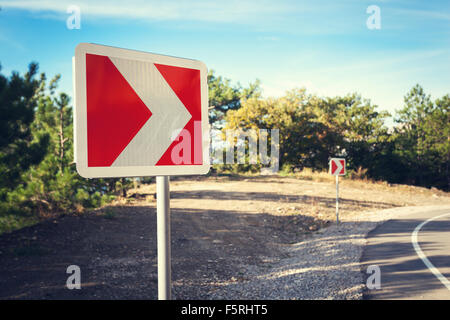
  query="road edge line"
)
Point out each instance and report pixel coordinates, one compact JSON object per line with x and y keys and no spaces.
{"x":421,"y":254}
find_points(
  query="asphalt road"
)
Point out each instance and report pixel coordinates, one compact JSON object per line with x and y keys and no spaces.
{"x":404,"y":274}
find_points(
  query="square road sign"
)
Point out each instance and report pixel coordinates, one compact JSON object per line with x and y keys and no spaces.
{"x":337,"y":166}
{"x":139,"y":113}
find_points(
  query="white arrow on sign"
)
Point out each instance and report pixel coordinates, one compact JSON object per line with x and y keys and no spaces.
{"x":339,"y":167}
{"x":168,"y":112}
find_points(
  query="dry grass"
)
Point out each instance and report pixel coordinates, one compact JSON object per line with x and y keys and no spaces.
{"x":298,"y":197}
{"x":359,"y":179}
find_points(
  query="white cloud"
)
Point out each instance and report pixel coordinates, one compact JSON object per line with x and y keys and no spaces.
{"x":425,"y":14}
{"x":204,"y":10}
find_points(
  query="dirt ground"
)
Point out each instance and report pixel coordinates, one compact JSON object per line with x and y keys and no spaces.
{"x":221,"y":226}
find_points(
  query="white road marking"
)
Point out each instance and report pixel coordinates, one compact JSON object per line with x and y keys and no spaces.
{"x":430,"y":266}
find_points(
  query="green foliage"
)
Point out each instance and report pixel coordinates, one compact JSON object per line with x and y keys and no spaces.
{"x":355,"y":128}
{"x":54,"y":186}
{"x":314,"y":129}
{"x":38,"y":176}
{"x":51,"y":185}
{"x":19,"y":148}
{"x":11,"y":222}
{"x":422,"y":139}
{"x":223,"y":96}
{"x":297,"y":139}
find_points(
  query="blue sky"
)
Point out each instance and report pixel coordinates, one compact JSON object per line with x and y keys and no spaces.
{"x":324,"y":46}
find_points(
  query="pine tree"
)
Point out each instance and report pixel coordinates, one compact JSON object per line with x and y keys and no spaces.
{"x":53,"y":186}
{"x":224,"y":97}
{"x":19,"y":149}
{"x":422,"y":138}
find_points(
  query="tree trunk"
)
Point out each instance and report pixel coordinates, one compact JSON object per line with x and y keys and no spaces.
{"x":61,"y":139}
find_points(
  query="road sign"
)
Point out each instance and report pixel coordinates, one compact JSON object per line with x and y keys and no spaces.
{"x":337,"y":166}
{"x":139,"y":114}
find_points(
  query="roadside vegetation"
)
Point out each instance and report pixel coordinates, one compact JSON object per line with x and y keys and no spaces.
{"x":38,"y":178}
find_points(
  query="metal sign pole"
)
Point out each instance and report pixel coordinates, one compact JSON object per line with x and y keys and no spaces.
{"x":163,"y":234}
{"x":337,"y":198}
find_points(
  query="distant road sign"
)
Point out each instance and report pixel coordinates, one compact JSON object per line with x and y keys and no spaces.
{"x":337,"y":166}
{"x":139,"y":114}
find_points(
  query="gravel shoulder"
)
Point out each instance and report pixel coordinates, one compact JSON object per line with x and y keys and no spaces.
{"x":232,"y":238}
{"x":325,"y":266}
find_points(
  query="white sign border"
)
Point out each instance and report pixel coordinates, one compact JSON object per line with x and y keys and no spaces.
{"x":80,"y":114}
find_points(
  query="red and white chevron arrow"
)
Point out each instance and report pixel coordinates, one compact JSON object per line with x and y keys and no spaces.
{"x":337,"y":166}
{"x":133,"y":109}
